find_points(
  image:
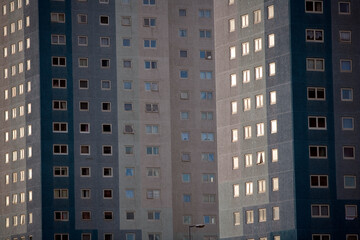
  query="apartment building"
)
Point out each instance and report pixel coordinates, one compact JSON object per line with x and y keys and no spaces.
{"x":107,"y":120}
{"x":287,"y":115}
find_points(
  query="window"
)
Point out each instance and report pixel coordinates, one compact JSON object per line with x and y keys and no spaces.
{"x":345,"y":65}
{"x":257,"y":16}
{"x":318,"y":181}
{"x":58,"y":61}
{"x":320,"y":211}
{"x":153,"y":215}
{"x":108,"y":236}
{"x":186,"y":177}
{"x":83,"y":84}
{"x":105,"y":42}
{"x":185,"y":136}
{"x":150,"y":43}
{"x":129,"y":194}
{"x":244,"y":21}
{"x":247,"y":132}
{"x":185,"y":157}
{"x":58,"y":83}
{"x":184,"y":74}
{"x":61,"y":236}
{"x":313,"y":6}
{"x":149,"y":2}
{"x":245,"y":48}
{"x":84,"y":106}
{"x":260,"y":157}
{"x":232,"y":53}
{"x":270,"y":12}
{"x":58,"y":17}
{"x":182,"y":32}
{"x":233,"y":81}
{"x":205,"y":75}
{"x":106,"y":128}
{"x":344,"y":8}
{"x":347,"y":123}
{"x":249,"y":188}
{"x":204,"y":13}
{"x":206,"y":95}
{"x":84,"y":127}
{"x":350,"y":212}
{"x":104,"y":20}
{"x":247,"y":104}
{"x":83,"y":62}
{"x":234,"y":107}
{"x":316,"y":93}
{"x":152,"y":129}
{"x":107,"y":150}
{"x":207,"y":136}
{"x":348,"y":152}
{"x":317,"y":122}
{"x":127,"y":63}
{"x":262,"y":215}
{"x":232,"y":25}
{"x":249,"y":216}
{"x":155,"y":172}
{"x":207,"y":116}
{"x":153,"y":194}
{"x":351,"y":237}
{"x":61,"y":193}
{"x":150,"y":64}
{"x":236,"y":218}
{"x":246,"y":76}
{"x":108,"y":215}
{"x":231,"y":2}
{"x":85,"y":172}
{"x":209,"y":219}
{"x":205,"y":54}
{"x":105,"y":63}
{"x":130,"y":215}
{"x":272,"y":69}
{"x":258,"y":44}
{"x":275,"y":184}
{"x":85,"y":193}
{"x":182,"y":12}
{"x":61,"y":171}
{"x":315,"y":64}
{"x":58,"y":39}
{"x":261,"y":186}
{"x":208,"y":177}
{"x":349,"y":182}
{"x":276,"y":213}
{"x":152,"y":150}
{"x":183,"y":53}
{"x":152,"y":107}
{"x":149,"y":22}
{"x":82,"y":18}
{"x":346,"y":94}
{"x":106,"y":106}
{"x":60,"y":149}
{"x":314,"y":35}
{"x":260,"y":129}
{"x":127,"y":106}
{"x":248,"y":160}
{"x":60,"y":127}
{"x":61,"y":216}
{"x":205,"y":33}
{"x":82,"y":40}
{"x":272,"y":97}
{"x":154,"y":236}
{"x":345,"y":36}
{"x":317,"y":151}
{"x":236,"y":190}
{"x":258,"y":73}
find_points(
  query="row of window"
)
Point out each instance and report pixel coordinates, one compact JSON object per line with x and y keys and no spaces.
{"x":18,"y":176}
{"x":262,"y":215}
{"x":19,"y":220}
{"x":15,"y":135}
{"x":261,"y":187}
{"x":17,"y":90}
{"x":260,"y":131}
{"x":18,"y":25}
{"x":19,"y":68}
{"x":14,"y":112}
{"x":257,"y":18}
{"x":19,"y":47}
{"x":260,"y":158}
{"x":318,"y":64}
{"x":259,"y":102}
{"x":18,"y":198}
{"x":83,"y":83}
{"x":18,"y":155}
{"x":12,"y":6}
{"x":316,"y":6}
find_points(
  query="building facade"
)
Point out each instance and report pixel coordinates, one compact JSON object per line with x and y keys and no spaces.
{"x":107,"y":120}
{"x":287,"y":119}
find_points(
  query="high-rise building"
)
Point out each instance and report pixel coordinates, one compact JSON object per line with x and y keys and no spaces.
{"x":107,"y":120}
{"x":287,"y":82}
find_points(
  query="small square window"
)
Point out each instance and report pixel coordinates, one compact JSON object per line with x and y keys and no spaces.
{"x":126,"y":21}
{"x":127,"y":63}
{"x":347,"y":123}
{"x":126,"y":42}
{"x":105,"y":63}
{"x":108,"y":215}
{"x":84,"y":106}
{"x":104,"y":42}
{"x":82,"y":40}
{"x":104,"y":20}
{"x":182,"y":32}
{"x":344,"y":8}
{"x":82,"y":18}
{"x":345,"y":36}
{"x":349,"y":182}
{"x":346,"y":94}
{"x":350,"y":212}
{"x":183,"y":53}
{"x":105,"y":85}
{"x":83,"y":84}
{"x":182,"y":12}
{"x":127,"y":85}
{"x":345,"y":65}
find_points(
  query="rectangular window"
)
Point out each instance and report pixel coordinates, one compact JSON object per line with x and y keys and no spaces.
{"x":152,"y":194}
{"x":317,"y":123}
{"x":318,"y":181}
{"x":261,"y":186}
{"x":82,"y":18}
{"x":61,"y":216}
{"x":347,"y":123}
{"x":152,"y":107}
{"x":85,"y":172}
{"x":58,"y":17}
{"x":105,"y":42}
{"x":206,"y":54}
{"x":270,"y":12}
{"x":208,"y":177}
{"x":61,"y":171}
{"x":82,"y":40}
{"x":313,"y":6}
{"x":345,"y":36}
{"x":149,"y":43}
{"x":260,"y":157}
{"x":58,"y":61}
{"x":276,"y":213}
{"x":61,"y":193}
{"x":107,"y":150}
{"x":348,"y":152}
{"x":233,"y":81}
{"x":321,"y":237}
{"x":149,"y":2}
{"x":272,"y":96}
{"x":206,"y":95}
{"x":152,"y":150}
{"x":244,"y":21}
{"x":155,"y":172}
{"x":247,"y":132}
{"x":257,"y":16}
{"x":205,"y":33}
{"x":317,"y":151}
{"x":247,"y":104}
{"x":232,"y":25}
{"x":152,"y":129}
{"x":257,"y":44}
{"x":232,"y":52}
{"x":149,"y":22}
{"x":207,"y":136}
{"x":275,"y":184}
{"x":248,"y":160}
{"x":345,"y":65}
{"x":60,"y":149}
{"x":314,"y":35}
{"x":205,"y":75}
{"x":346,"y":94}
{"x":262,"y":215}
{"x":344,"y":8}
{"x":245,"y":48}
{"x":236,"y":218}
{"x":105,"y":63}
{"x":207,"y":116}
{"x":258,"y":73}
{"x":320,"y":211}
{"x":83,"y":62}
{"x":234,"y":107}
{"x":182,"y":32}
{"x":249,"y":216}
{"x":153,"y":215}
{"x":209,"y":219}
{"x":60,"y":127}
{"x":150,"y":64}
{"x":104,"y":20}
{"x":210,"y":157}
{"x":58,"y":83}
{"x":316,"y":93}
{"x":315,"y":64}
{"x":249,"y":188}
{"x":246,"y":76}
{"x":272,"y":69}
{"x":204,"y":13}
{"x":57,"y":39}
{"x":349,"y":182}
